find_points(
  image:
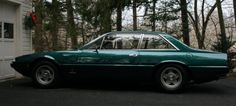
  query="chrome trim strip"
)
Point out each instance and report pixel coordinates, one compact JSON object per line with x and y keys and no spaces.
{"x":50,"y":57}
{"x":169,"y":42}
{"x":112,"y":65}
{"x":208,"y":66}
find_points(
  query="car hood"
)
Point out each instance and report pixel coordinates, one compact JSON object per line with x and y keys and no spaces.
{"x":53,"y":55}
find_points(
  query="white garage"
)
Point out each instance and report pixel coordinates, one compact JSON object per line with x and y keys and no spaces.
{"x":14,"y":39}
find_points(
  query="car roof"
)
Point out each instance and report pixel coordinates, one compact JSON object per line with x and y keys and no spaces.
{"x":178,"y":45}
{"x":135,"y":32}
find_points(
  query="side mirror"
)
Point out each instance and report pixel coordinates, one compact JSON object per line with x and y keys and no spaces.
{"x":96,"y":50}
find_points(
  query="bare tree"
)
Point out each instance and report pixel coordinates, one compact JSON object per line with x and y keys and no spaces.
{"x":200,"y":30}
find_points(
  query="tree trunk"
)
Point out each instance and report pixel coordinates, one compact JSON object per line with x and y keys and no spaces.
{"x":54,"y":28}
{"x":222,"y":25}
{"x":38,"y":39}
{"x":71,"y":28}
{"x":134,"y":15}
{"x":154,"y":15}
{"x":82,"y":30}
{"x":184,"y":18}
{"x":234,"y":3}
{"x":196,"y":25}
{"x":119,"y":16}
{"x":106,"y":22}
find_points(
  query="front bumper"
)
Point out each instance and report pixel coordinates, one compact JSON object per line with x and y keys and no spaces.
{"x":21,"y":67}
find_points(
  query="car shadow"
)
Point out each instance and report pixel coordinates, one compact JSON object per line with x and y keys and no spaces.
{"x":138,"y":86}
{"x":119,"y":86}
{"x":111,"y":85}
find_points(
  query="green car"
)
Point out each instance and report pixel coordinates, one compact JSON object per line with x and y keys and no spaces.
{"x":149,"y":56}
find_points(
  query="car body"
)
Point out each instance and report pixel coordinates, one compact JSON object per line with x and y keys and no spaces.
{"x":143,"y":55}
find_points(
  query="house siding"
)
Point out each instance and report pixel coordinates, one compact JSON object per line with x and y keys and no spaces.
{"x":26,"y":34}
{"x":22,"y":40}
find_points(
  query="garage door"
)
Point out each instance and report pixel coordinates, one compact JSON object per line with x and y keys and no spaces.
{"x":7,"y":35}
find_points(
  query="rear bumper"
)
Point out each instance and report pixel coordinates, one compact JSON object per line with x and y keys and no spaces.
{"x":21,"y":67}
{"x":209,"y":73}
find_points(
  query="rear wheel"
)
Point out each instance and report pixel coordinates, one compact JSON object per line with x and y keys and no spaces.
{"x":46,"y":75}
{"x":171,"y":77}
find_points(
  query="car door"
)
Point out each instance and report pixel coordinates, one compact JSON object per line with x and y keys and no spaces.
{"x":154,"y":49}
{"x":119,"y":51}
{"x":116,"y":54}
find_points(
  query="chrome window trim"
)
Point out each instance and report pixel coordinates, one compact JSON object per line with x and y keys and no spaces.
{"x":140,"y":41}
{"x":169,"y":42}
{"x":100,"y":48}
{"x":160,"y":49}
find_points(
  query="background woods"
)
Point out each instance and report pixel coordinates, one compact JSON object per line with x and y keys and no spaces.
{"x":66,"y":24}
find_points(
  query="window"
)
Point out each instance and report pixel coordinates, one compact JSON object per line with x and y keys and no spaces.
{"x":8,"y":30}
{"x":96,"y":44}
{"x":0,"y":29}
{"x":121,"y":41}
{"x":154,"y":42}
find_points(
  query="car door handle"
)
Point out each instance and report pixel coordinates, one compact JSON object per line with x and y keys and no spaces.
{"x":133,"y":55}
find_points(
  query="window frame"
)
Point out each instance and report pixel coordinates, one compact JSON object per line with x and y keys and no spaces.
{"x":2,"y":37}
{"x":1,"y":30}
{"x":13,"y":29}
{"x":161,"y":37}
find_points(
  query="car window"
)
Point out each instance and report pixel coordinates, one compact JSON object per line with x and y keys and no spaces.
{"x":154,"y":42}
{"x":121,"y":41}
{"x":96,"y":44}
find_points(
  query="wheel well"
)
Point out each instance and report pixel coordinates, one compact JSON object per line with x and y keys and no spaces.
{"x":189,"y":72}
{"x":42,"y":59}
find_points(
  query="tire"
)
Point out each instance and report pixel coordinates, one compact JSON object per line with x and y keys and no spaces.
{"x":46,"y":75}
{"x":171,"y":77}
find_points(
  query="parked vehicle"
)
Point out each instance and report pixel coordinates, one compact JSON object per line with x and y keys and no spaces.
{"x":154,"y":56}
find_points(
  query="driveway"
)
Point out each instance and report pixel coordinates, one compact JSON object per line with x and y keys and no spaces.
{"x":21,"y":93}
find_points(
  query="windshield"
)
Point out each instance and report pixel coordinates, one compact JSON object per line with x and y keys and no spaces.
{"x":92,"y":42}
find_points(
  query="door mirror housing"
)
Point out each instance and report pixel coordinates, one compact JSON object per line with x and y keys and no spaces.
{"x":96,"y":50}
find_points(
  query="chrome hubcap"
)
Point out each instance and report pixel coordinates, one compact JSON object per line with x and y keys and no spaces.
{"x":171,"y":77}
{"x":44,"y":74}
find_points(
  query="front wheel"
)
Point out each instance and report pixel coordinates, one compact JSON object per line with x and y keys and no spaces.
{"x":171,"y":77}
{"x":45,"y":75}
